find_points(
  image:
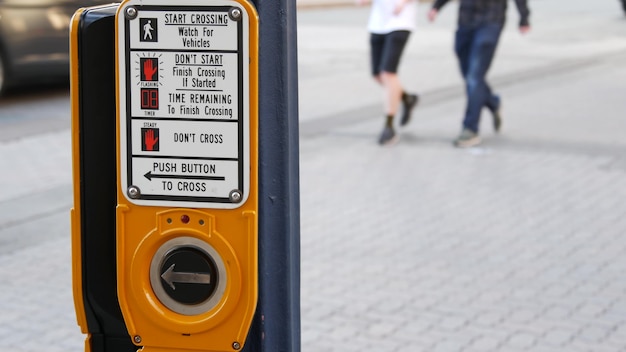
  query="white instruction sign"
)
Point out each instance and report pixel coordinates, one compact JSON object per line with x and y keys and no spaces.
{"x":184,"y":109}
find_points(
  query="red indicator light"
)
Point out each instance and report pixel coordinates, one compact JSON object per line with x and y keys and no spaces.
{"x":184,"y":219}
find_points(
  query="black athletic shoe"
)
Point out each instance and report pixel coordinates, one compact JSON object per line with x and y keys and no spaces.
{"x":497,"y":118}
{"x":388,"y":137}
{"x":496,"y":113}
{"x":408,"y":103}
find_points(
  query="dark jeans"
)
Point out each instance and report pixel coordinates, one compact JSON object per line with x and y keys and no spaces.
{"x":475,"y":47}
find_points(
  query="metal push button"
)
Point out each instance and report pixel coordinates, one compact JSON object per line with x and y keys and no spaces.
{"x":188,"y":276}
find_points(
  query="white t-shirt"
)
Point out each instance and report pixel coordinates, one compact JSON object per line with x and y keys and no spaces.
{"x":383,"y":21}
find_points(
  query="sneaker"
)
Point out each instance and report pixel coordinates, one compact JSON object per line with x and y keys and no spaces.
{"x":408,"y":103}
{"x":497,"y":118}
{"x":388,"y":137}
{"x":496,"y":113}
{"x":466,"y":139}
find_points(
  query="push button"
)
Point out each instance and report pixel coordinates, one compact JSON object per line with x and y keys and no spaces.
{"x":188,"y":275}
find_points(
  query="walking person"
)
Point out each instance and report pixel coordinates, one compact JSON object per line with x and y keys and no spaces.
{"x":390,"y":24}
{"x":147,"y":31}
{"x":480,"y":24}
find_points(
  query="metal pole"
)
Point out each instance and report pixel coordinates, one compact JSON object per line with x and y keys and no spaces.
{"x":276,"y":326}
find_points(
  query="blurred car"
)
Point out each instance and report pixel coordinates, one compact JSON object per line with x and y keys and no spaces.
{"x":34,"y":39}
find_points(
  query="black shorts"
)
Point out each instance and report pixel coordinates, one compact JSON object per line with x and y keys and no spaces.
{"x":386,"y":50}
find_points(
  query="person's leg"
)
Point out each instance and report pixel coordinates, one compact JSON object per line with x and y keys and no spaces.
{"x":481,"y":55}
{"x":392,"y":92}
{"x":494,"y":104}
{"x":377,"y":42}
{"x":377,"y":53}
{"x":392,"y":89}
{"x":462,"y":47}
{"x":392,"y":52}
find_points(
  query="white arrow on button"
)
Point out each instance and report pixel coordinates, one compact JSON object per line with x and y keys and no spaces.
{"x":170,"y":277}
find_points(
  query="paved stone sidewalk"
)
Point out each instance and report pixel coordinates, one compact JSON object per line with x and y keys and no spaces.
{"x":36,"y":296}
{"x":422,"y":247}
{"x":35,"y":164}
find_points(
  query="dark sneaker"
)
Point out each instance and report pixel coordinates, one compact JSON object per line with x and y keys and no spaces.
{"x":388,"y":137}
{"x":466,"y":139}
{"x":497,"y":118}
{"x":495,"y":106}
{"x":408,"y":103}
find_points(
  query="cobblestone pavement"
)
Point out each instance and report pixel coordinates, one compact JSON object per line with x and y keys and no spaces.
{"x":517,"y":245}
{"x":502,"y":248}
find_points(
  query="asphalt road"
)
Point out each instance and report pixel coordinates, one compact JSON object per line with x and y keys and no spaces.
{"x":27,"y":111}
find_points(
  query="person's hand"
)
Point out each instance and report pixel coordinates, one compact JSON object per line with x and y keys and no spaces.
{"x":362,"y":2}
{"x":432,"y":14}
{"x":524,"y":29}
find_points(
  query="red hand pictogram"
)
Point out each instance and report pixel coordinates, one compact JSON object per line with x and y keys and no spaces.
{"x":150,"y":140}
{"x":149,"y":70}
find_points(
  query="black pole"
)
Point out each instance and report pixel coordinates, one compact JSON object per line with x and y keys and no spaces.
{"x":276,"y":326}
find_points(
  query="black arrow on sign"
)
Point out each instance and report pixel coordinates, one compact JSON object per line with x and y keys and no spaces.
{"x":149,"y":175}
{"x":170,"y":276}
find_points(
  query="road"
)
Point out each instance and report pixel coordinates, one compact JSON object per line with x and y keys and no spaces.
{"x":515,"y":245}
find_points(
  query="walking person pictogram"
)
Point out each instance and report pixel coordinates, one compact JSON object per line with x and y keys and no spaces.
{"x":148,"y":30}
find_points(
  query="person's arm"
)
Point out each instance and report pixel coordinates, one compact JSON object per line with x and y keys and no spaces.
{"x":400,"y":6}
{"x":524,"y":13}
{"x":434,"y":11}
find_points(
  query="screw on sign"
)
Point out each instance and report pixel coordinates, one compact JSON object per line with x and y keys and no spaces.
{"x":235,"y":196}
{"x":134,"y":192}
{"x":131,"y":12}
